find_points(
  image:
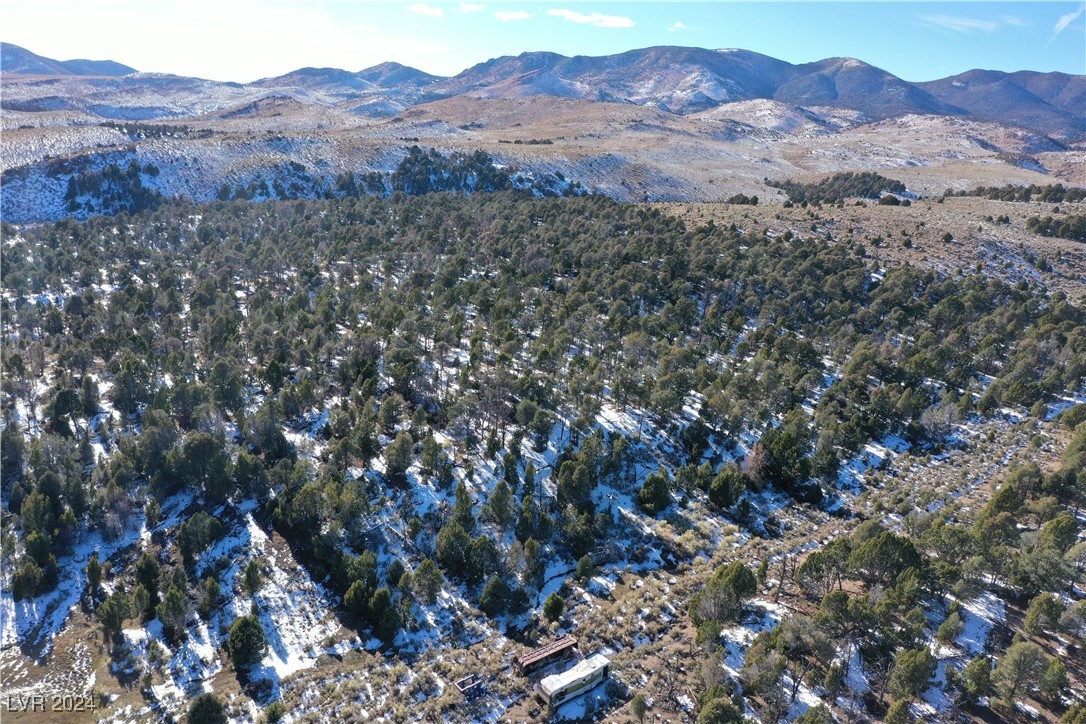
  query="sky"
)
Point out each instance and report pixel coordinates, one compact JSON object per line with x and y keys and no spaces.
{"x":243,"y":40}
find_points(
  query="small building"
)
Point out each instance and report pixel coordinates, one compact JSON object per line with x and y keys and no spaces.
{"x":557,"y":689}
{"x":544,"y":655}
{"x":471,"y":686}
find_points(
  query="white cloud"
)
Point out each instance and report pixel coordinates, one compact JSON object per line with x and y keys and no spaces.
{"x":598,"y":19}
{"x":677,"y":25}
{"x":423,"y":9}
{"x":508,"y":16}
{"x":961,"y":25}
{"x":471,"y":7}
{"x":1067,"y":19}
{"x":1015,"y":21}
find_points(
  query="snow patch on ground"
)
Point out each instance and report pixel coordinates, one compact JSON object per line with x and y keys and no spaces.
{"x":979,"y":615}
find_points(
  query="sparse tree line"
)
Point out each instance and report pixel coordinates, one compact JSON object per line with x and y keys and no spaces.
{"x":113,"y":189}
{"x":1072,"y":226}
{"x":1049,"y":194}
{"x":874,"y":586}
{"x":149,"y":130}
{"x":838,"y":187}
{"x":117,"y":188}
{"x":420,"y":172}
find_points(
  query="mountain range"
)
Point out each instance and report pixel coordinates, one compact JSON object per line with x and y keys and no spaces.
{"x":18,"y":60}
{"x":661,"y":123}
{"x":678,"y":80}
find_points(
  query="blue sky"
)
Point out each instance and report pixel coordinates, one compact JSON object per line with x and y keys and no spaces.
{"x":242,"y":40}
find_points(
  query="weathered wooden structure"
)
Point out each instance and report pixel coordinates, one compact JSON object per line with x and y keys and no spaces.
{"x":471,"y":686}
{"x":544,"y":655}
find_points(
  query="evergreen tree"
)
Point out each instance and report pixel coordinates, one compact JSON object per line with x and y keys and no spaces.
{"x":210,"y":596}
{"x":727,"y":486}
{"x":1020,"y":669}
{"x":495,"y":598}
{"x":724,"y":595}
{"x":173,"y":612}
{"x":452,"y":548}
{"x":427,"y":581}
{"x":246,"y":642}
{"x":976,"y":679}
{"x":398,"y":456}
{"x":148,"y":575}
{"x":463,"y":514}
{"x":655,"y":494}
{"x":553,"y":607}
{"x":207,"y":709}
{"x":912,"y":672}
{"x":112,"y":614}
{"x":501,"y":504}
{"x":253,"y":577}
{"x":899,"y":713}
{"x":384,"y":615}
{"x":585,"y":568}
{"x":94,"y":573}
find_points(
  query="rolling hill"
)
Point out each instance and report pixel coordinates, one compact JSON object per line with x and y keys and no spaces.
{"x":19,"y":60}
{"x":1049,"y":102}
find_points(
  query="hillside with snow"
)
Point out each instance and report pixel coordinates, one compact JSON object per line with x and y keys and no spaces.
{"x":658,"y":124}
{"x":332,"y":395}
{"x":280,"y":458}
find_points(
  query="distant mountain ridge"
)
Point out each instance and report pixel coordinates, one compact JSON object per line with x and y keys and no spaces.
{"x":680,"y":80}
{"x":1043,"y":101}
{"x":317,"y":78}
{"x":19,"y":60}
{"x":390,"y":74}
{"x":688,"y":80}
{"x":385,"y":75}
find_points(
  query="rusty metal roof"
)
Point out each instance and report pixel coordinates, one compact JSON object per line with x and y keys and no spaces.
{"x":566,"y":642}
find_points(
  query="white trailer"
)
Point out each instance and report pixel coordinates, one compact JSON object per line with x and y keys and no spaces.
{"x":559,"y":688}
